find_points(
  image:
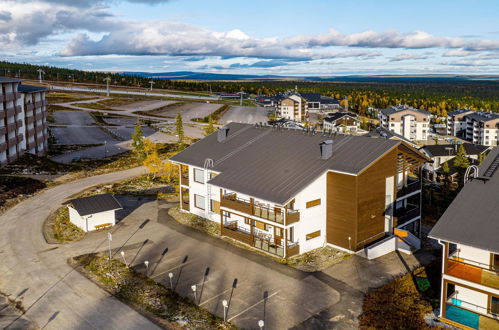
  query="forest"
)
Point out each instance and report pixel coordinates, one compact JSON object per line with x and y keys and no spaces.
{"x":439,"y":96}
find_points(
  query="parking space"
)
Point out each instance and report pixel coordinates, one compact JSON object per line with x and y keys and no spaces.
{"x":81,"y":135}
{"x":72,"y":118}
{"x":247,"y":115}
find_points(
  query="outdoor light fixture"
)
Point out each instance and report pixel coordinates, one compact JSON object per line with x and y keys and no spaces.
{"x":170,"y":275}
{"x":261,"y":324}
{"x":225,"y":303}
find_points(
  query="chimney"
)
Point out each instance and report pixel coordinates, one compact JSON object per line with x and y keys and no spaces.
{"x":326,"y":149}
{"x":222,"y":133}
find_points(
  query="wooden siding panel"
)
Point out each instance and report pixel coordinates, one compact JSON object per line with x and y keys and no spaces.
{"x":341,"y":209}
{"x":371,"y":186}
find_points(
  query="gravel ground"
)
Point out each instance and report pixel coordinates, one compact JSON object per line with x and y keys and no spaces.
{"x":249,"y":115}
{"x":189,"y":110}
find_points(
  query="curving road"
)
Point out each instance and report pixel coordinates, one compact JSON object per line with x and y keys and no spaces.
{"x":55,"y":296}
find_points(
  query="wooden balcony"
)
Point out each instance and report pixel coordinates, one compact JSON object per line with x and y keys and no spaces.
{"x":237,"y":235}
{"x":474,"y":273}
{"x":231,"y":201}
{"x":292,"y":250}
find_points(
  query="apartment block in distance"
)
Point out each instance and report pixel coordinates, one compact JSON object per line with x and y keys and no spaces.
{"x":293,"y":107}
{"x":456,"y":122}
{"x":23,"y":126}
{"x":482,"y":128}
{"x":469,"y":234}
{"x":288,"y":191}
{"x":411,"y":123}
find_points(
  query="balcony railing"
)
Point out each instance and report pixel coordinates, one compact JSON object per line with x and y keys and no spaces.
{"x":233,"y":202}
{"x":409,"y":189}
{"x":470,"y":315}
{"x":405,"y":214}
{"x":464,"y":269}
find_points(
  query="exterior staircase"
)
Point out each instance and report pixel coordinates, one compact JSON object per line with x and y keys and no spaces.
{"x":401,"y":240}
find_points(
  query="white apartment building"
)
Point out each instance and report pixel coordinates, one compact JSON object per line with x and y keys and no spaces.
{"x":287,"y":191}
{"x":468,"y":232}
{"x":411,"y":123}
{"x":23,"y":126}
{"x":456,"y":122}
{"x":293,"y":107}
{"x":482,"y":128}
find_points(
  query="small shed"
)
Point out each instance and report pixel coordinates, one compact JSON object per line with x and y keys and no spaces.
{"x":94,"y":212}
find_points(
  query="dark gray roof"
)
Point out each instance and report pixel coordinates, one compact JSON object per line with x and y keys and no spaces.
{"x":381,"y":132}
{"x":482,"y":116}
{"x":30,"y":89}
{"x":329,"y":100}
{"x":275,"y":165}
{"x":451,"y":150}
{"x":333,"y":116}
{"x":95,"y":204}
{"x":458,"y":112}
{"x":311,"y":97}
{"x":8,"y":79}
{"x":401,"y":107}
{"x":473,"y":217}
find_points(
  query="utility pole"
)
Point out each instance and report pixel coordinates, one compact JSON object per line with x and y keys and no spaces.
{"x":107,"y":80}
{"x":152,"y":83}
{"x":40,"y":72}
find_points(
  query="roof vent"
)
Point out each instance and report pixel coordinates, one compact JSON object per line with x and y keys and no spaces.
{"x":222,"y":134}
{"x":326,"y":149}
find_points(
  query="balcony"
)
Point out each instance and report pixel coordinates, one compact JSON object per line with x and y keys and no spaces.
{"x":472,"y":271}
{"x":470,"y":315}
{"x":408,"y":189}
{"x":231,"y":201}
{"x":405,"y":214}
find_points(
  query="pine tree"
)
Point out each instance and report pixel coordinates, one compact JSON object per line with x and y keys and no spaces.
{"x":210,"y":128}
{"x":179,"y":128}
{"x":138,"y":141}
{"x":461,"y":160}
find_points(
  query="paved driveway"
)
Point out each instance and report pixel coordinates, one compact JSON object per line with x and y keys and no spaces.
{"x":247,"y":115}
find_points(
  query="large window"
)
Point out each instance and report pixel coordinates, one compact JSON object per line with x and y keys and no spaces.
{"x":198,"y":175}
{"x":199,"y":201}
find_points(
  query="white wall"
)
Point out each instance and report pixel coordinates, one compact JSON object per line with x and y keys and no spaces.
{"x":474,"y":254}
{"x":314,"y":218}
{"x":92,"y":220}
{"x":471,"y":298}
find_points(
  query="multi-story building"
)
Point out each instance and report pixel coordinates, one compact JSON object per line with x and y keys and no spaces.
{"x":409,"y":122}
{"x":287,"y":191}
{"x":469,"y":234}
{"x":341,"y":121}
{"x":23,"y":126}
{"x":293,"y":107}
{"x":482,"y":128}
{"x":456,"y":122}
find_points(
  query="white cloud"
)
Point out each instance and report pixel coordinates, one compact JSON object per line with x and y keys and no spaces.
{"x":458,"y":53}
{"x":407,"y":56}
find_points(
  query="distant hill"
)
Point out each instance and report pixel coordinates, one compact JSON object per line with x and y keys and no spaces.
{"x":190,"y":75}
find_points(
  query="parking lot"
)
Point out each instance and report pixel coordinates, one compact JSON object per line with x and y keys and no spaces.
{"x":188,"y":110}
{"x":247,"y":115}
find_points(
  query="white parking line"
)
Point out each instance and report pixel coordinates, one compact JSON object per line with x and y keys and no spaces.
{"x":247,"y":309}
{"x":215,"y":296}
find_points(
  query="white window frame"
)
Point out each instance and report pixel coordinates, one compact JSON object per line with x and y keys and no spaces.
{"x":199,"y":172}
{"x":196,"y":198}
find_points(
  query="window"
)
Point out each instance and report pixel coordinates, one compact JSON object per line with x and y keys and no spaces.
{"x":313,"y":235}
{"x":278,"y":231}
{"x":198,"y":175}
{"x":495,"y":261}
{"x":392,"y":125}
{"x":214,"y":206}
{"x":247,"y":221}
{"x":494,"y":305}
{"x":313,"y":203}
{"x":199,"y":201}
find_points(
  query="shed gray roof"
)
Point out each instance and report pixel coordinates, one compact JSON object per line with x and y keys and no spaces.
{"x":95,"y":204}
{"x":30,"y":88}
{"x":275,"y":165}
{"x":473,"y":217}
{"x":401,"y":107}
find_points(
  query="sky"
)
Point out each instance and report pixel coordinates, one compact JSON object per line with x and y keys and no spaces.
{"x":279,"y":37}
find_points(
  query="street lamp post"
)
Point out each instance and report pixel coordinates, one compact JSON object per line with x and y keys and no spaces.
{"x":261,"y":324}
{"x":226,"y":305}
{"x":123,"y":256}
{"x":170,"y":276}
{"x":147,"y":267}
{"x":152,"y":83}
{"x":195,"y":294}
{"x":109,"y":240}
{"x":40,"y":72}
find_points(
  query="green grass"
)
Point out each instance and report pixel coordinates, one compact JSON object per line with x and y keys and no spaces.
{"x":144,"y":294}
{"x":62,"y":229}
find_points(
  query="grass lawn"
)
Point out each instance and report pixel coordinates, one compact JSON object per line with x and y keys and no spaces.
{"x":404,"y":302}
{"x":162,"y":305}
{"x":61,"y":228}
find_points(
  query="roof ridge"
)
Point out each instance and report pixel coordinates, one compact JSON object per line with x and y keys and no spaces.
{"x":241,"y":147}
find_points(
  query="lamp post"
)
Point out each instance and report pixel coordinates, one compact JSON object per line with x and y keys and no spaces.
{"x":109,"y":240}
{"x":170,"y":276}
{"x":195,"y":295}
{"x":107,"y":80}
{"x":152,"y":83}
{"x":123,"y":256}
{"x":40,"y":73}
{"x":226,"y":305}
{"x":261,"y":324}
{"x":147,"y":267}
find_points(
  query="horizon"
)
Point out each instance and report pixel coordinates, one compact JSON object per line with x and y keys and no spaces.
{"x":319,"y":38}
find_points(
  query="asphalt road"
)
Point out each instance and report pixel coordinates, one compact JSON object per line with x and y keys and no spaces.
{"x":248,"y":115}
{"x":37,"y":273}
{"x":81,"y":135}
{"x":72,"y":118}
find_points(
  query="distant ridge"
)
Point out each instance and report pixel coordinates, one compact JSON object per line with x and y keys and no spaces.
{"x":190,"y":75}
